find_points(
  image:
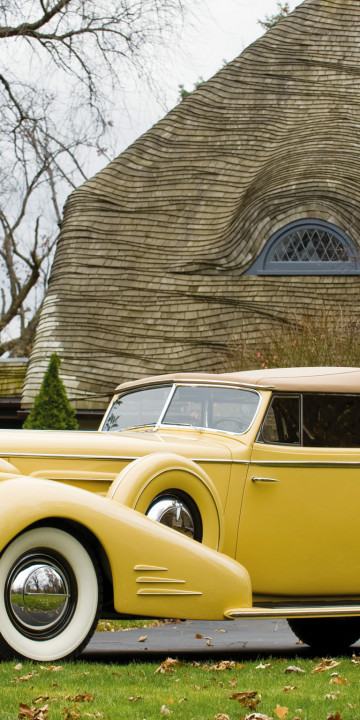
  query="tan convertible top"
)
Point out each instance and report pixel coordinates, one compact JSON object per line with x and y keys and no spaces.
{"x":306,"y":379}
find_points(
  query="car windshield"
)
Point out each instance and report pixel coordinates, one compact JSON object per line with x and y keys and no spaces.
{"x":214,"y":407}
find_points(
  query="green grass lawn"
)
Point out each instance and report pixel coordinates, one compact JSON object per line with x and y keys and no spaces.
{"x":182,"y":691}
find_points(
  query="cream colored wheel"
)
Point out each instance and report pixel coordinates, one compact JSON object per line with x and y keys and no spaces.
{"x":49,"y":596}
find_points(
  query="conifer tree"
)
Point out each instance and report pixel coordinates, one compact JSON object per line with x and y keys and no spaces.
{"x":51,"y":409}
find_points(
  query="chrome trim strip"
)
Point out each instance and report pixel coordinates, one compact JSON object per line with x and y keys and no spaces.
{"x":158,"y":580}
{"x":157,"y":591}
{"x":307,"y":463}
{"x":289,"y":612}
{"x":153,"y":568}
{"x":112,"y":457}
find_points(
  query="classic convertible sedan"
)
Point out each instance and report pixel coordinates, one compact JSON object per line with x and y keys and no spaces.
{"x":212,"y":496}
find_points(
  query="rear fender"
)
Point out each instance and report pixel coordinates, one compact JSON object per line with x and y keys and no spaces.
{"x":145,"y":478}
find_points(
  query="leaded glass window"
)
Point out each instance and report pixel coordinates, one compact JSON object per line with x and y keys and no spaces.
{"x":308,"y":247}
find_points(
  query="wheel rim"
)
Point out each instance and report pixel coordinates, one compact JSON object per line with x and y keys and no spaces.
{"x":40,"y":594}
{"x":174,"y":513}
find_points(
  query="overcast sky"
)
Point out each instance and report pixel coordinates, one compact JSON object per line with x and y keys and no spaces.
{"x":219,"y":31}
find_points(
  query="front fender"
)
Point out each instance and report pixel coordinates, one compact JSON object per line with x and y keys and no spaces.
{"x":156,"y":571}
{"x":145,"y":478}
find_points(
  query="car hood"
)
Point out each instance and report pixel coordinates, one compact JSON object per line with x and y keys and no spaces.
{"x":128,"y":444}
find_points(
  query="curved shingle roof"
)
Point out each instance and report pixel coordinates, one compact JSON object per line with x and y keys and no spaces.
{"x":149,"y":276}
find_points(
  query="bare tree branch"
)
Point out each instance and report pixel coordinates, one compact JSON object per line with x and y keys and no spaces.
{"x":54,"y":111}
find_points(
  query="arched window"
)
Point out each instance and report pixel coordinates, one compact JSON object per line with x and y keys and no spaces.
{"x":308,"y":247}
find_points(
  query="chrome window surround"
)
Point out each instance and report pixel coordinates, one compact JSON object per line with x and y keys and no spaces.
{"x":224,"y":384}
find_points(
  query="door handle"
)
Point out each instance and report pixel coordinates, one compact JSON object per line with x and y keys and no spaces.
{"x":263,"y":479}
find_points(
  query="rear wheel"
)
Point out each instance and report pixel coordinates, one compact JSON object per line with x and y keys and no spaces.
{"x":328,"y":635}
{"x":49,"y":596}
{"x":177,"y":510}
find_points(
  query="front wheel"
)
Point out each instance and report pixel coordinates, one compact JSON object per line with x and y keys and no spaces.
{"x":328,"y":635}
{"x":49,"y":596}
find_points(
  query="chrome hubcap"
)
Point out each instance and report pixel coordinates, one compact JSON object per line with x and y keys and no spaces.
{"x":173,"y":513}
{"x":39,"y":595}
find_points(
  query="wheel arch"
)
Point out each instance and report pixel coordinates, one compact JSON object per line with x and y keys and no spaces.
{"x":149,"y":476}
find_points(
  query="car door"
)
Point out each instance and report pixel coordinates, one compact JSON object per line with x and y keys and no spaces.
{"x":299,"y":523}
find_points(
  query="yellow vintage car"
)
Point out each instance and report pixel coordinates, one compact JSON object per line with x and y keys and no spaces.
{"x":211,"y":497}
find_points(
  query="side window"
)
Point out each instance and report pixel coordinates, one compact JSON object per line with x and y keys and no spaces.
{"x":282,"y":421}
{"x":331,"y":420}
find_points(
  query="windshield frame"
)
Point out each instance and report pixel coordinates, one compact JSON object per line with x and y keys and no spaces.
{"x":159,"y":424}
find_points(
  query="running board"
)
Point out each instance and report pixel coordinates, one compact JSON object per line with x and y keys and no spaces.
{"x":293,"y":612}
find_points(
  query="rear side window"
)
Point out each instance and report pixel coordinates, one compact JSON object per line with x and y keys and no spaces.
{"x":331,"y":420}
{"x":313,"y":420}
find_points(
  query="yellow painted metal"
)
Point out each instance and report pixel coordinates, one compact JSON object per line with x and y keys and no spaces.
{"x":213,"y":583}
{"x":299,"y":535}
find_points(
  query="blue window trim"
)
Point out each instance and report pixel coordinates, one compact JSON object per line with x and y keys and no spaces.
{"x":264,"y":266}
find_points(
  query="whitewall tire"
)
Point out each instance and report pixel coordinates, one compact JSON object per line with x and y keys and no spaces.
{"x":49,"y":596}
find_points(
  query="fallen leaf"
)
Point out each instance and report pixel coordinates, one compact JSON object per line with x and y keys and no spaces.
{"x":86,"y":697}
{"x":134,"y":698}
{"x":208,"y":642}
{"x":93,"y":715}
{"x":33,"y":713}
{"x":332,"y":696}
{"x":221,"y":716}
{"x":355,"y":659}
{"x":263,"y":666}
{"x":71,"y":714}
{"x":223,"y":665}
{"x":25,"y":678}
{"x":199,"y":687}
{"x":334,"y":717}
{"x":281,"y":711}
{"x":232,"y":683}
{"x":199,"y":636}
{"x":165,"y":710}
{"x":142,"y":638}
{"x":247,"y":698}
{"x":20,"y":667}
{"x":220,"y":630}
{"x":289,"y":687}
{"x":182,"y":700}
{"x":325,"y":664}
{"x":52,"y":668}
{"x":293,"y":668}
{"x":168,"y":666}
{"x":258,"y":716}
{"x":338,"y":680}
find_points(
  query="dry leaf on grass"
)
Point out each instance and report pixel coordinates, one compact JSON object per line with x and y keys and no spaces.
{"x":85,"y":697}
{"x":337,"y":716}
{"x":20,"y":667}
{"x":293,"y":669}
{"x":165,"y":710}
{"x":332,"y":696}
{"x":33,"y":713}
{"x":25,"y":678}
{"x":281,"y":711}
{"x":223,"y":665}
{"x":263,"y":666}
{"x":71,"y":714}
{"x":134,"y":698}
{"x":257,"y":716}
{"x":168,"y":666}
{"x":289,"y":687}
{"x":355,"y":659}
{"x":247,"y":698}
{"x":52,"y":668}
{"x":221,"y":716}
{"x":337,"y":679}
{"x":325,"y":664}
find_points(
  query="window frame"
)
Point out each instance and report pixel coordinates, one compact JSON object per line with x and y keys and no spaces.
{"x":264,"y":266}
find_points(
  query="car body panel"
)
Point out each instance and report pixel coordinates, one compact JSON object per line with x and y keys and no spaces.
{"x":155,"y":570}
